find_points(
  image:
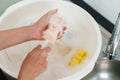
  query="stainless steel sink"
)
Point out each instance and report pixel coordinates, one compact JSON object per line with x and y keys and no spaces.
{"x":105,"y":70}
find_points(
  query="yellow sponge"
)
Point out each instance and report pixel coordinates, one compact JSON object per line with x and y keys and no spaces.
{"x":78,"y":58}
{"x":73,"y":62}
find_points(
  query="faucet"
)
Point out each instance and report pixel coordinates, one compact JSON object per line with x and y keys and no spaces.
{"x":114,"y":40}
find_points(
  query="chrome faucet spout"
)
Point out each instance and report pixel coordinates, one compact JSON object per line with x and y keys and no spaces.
{"x":114,"y":40}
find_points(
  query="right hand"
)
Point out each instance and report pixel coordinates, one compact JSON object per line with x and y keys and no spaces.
{"x":41,"y":25}
{"x":34,"y":64}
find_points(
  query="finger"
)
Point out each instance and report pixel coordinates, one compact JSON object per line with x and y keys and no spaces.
{"x":42,"y":63}
{"x":41,"y":53}
{"x":40,"y":56}
{"x":45,"y":62}
{"x":64,"y":28}
{"x":60,"y":37}
{"x":52,"y":12}
{"x":43,"y":68}
{"x":43,"y":29}
{"x":60,"y":34}
{"x":47,"y":17}
{"x":35,"y":49}
{"x":47,"y":49}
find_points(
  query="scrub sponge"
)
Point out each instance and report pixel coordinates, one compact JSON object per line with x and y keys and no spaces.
{"x":78,"y":58}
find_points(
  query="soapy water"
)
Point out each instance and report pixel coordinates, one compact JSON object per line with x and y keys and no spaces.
{"x":62,"y":53}
{"x":62,"y":48}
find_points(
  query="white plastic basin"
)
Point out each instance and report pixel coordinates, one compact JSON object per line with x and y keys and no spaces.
{"x":83,"y":29}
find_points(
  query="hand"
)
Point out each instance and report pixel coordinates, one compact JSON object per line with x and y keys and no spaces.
{"x":41,"y":25}
{"x":34,"y":64}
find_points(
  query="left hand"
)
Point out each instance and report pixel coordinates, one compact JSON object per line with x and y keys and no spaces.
{"x":34,"y":64}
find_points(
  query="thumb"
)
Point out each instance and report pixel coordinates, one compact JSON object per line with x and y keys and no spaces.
{"x":50,"y":13}
{"x":46,"y":18}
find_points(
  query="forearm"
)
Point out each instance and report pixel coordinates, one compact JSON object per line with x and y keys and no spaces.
{"x":24,"y":77}
{"x":14,"y":36}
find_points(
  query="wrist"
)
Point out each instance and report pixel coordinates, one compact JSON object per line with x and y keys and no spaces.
{"x":24,"y":77}
{"x":35,"y":32}
{"x":30,"y":32}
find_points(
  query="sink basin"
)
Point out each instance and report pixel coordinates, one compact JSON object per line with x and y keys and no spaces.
{"x":105,"y":70}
